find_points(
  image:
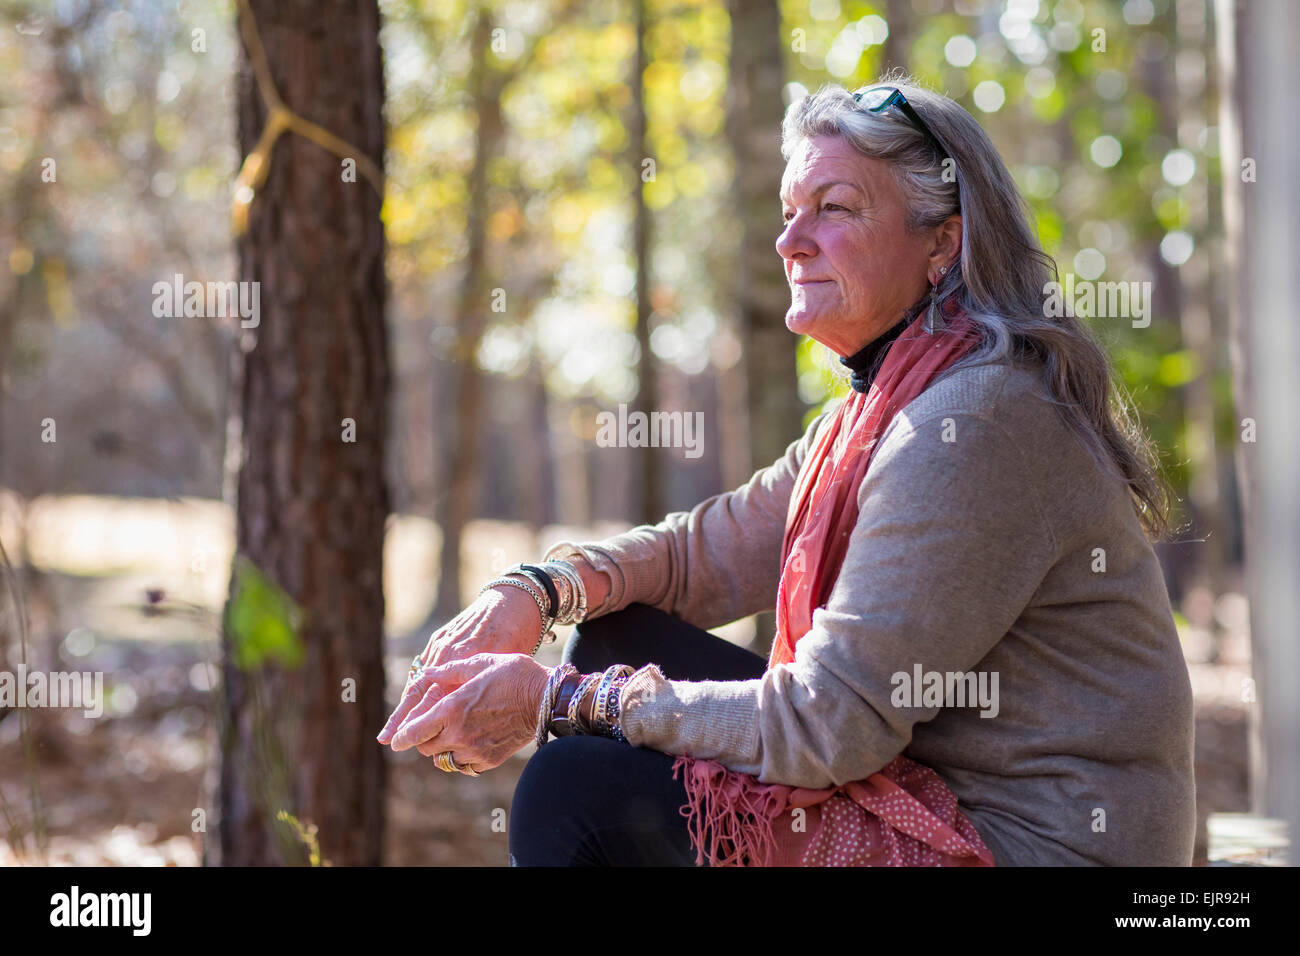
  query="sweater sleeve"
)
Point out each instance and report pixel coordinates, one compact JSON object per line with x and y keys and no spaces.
{"x":711,"y":565}
{"x":949,"y":547}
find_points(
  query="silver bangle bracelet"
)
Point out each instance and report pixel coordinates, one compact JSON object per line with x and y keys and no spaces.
{"x":556,"y":556}
{"x":575,"y":714}
{"x":563,"y":587}
{"x":553,"y":682}
{"x":598,"y":708}
{"x":576,"y":610}
{"x":547,"y":635}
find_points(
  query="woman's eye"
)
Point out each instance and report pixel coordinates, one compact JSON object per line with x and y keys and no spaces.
{"x":832,"y":205}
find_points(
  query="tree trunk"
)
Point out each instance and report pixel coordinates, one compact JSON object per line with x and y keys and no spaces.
{"x":461,"y":469}
{"x":647,"y":396}
{"x":754,"y":113}
{"x":754,"y":117}
{"x":1198,"y":334}
{"x":299,"y":736}
{"x":1256,"y":54}
{"x":899,"y":15}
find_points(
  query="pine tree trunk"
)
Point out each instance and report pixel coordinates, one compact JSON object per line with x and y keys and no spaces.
{"x":312,"y":504}
{"x":462,"y":469}
{"x":650,"y":462}
{"x":755,"y":109}
{"x":1263,"y":209}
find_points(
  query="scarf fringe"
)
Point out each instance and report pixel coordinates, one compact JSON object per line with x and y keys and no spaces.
{"x":731,"y":817}
{"x":730,"y":823}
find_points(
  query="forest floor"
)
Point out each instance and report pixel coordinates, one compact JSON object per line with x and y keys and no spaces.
{"x":123,"y":789}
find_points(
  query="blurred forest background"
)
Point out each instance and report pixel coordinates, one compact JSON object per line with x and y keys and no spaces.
{"x":579,"y":210}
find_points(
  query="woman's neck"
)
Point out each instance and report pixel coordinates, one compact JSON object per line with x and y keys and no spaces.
{"x":866,"y":362}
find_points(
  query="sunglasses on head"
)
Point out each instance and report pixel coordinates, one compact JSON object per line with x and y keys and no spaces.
{"x":880,"y":98}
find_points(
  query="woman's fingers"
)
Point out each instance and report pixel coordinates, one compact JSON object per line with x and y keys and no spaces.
{"x":498,"y":690}
{"x":436,"y":745}
{"x":438,"y":689}
{"x":421,"y":718}
{"x":464,"y":756}
{"x":421,"y":730}
{"x":411,"y":697}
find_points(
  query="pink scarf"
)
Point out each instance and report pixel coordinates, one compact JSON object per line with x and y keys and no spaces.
{"x":904,"y":814}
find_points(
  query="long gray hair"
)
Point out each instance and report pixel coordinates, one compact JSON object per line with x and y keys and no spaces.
{"x":1001,"y":279}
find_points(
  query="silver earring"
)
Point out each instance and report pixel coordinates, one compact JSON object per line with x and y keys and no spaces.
{"x":933,"y":320}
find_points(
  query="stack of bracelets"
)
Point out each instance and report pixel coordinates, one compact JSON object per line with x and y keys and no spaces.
{"x":557,"y":589}
{"x":576,"y":703}
{"x":573,"y":703}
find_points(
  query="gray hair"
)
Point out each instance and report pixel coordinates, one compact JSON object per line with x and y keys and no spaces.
{"x":1001,"y":279}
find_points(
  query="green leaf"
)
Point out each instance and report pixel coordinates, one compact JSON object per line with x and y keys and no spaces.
{"x":262,"y":620}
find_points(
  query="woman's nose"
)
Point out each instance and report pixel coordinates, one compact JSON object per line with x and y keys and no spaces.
{"x":794,"y":239}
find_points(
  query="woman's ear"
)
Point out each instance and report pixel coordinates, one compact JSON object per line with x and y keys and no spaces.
{"x":946,"y":251}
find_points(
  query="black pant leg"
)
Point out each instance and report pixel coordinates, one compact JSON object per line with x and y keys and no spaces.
{"x":640,"y":635}
{"x":592,"y":801}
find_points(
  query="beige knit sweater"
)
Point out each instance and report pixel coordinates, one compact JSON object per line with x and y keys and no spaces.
{"x":989,"y":542}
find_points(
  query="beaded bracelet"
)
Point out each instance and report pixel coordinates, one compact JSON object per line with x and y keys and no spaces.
{"x":600,"y":706}
{"x":610,"y":704}
{"x":615,"y":709}
{"x":564,"y":715}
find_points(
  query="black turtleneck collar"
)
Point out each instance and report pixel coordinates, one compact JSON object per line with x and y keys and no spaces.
{"x":866,"y":362}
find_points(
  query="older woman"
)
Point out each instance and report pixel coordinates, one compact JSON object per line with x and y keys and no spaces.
{"x":975,"y":660}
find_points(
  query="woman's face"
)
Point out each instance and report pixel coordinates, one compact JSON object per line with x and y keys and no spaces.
{"x":853,"y":268}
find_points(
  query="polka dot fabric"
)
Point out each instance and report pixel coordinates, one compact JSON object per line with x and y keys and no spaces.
{"x":905,"y":815}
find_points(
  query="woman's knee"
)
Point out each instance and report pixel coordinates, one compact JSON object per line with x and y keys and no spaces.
{"x":624,"y":637}
{"x":546,"y":812}
{"x":595,"y":800}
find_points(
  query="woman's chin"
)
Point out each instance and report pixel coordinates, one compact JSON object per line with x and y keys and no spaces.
{"x":801,"y":323}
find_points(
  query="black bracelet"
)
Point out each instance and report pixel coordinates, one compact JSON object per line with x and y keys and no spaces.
{"x":551,"y":594}
{"x":558,"y":720}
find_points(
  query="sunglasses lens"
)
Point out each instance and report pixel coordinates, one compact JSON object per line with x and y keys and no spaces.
{"x":873,"y":99}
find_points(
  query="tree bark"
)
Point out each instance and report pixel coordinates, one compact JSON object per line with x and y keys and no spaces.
{"x":1256,"y":44}
{"x":899,"y":15}
{"x":462,"y":469}
{"x":755,"y":109}
{"x":312,"y":505}
{"x":754,"y":114}
{"x":1199,"y":337}
{"x":647,"y":396}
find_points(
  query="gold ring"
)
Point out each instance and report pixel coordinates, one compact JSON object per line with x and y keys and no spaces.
{"x":446,"y":763}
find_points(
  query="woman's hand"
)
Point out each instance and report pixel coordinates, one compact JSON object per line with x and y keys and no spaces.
{"x":502,"y":620}
{"x":480,"y":709}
